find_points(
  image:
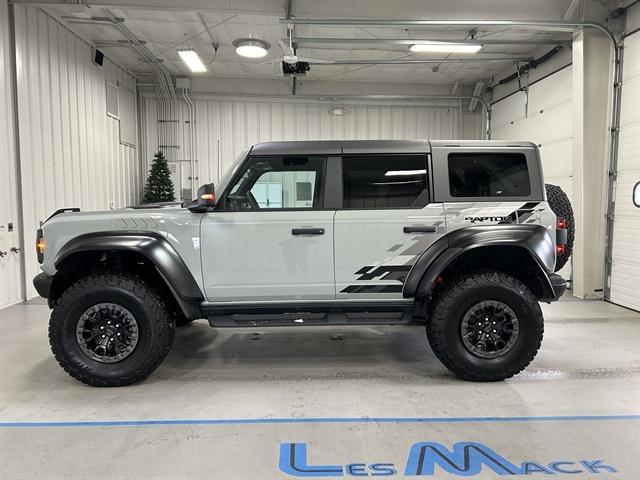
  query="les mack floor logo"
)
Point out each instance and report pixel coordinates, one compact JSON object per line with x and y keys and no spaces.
{"x":466,"y":459}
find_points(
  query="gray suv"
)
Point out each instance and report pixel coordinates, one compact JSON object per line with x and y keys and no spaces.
{"x":461,"y":236}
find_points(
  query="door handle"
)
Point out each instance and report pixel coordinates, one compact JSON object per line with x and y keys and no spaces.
{"x":307,"y":231}
{"x":420,"y":229}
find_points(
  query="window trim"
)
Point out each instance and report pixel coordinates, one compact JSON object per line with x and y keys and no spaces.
{"x":440,"y":166}
{"x":428,"y":180}
{"x":222,"y":199}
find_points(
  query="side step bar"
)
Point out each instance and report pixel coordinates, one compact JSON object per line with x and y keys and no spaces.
{"x":316,"y":313}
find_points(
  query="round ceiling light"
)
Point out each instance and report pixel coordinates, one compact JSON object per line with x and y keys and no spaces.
{"x":251,"y":47}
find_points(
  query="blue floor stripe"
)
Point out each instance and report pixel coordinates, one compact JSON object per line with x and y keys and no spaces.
{"x":267,"y":421}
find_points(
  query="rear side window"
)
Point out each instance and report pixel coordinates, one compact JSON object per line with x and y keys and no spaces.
{"x":488,"y":175}
{"x":385,"y":181}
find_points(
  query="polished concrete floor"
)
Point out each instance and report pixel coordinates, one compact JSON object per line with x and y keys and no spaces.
{"x":319,"y":402}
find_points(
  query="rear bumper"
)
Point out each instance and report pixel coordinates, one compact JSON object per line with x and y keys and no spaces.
{"x":43,"y":282}
{"x":558,"y":284}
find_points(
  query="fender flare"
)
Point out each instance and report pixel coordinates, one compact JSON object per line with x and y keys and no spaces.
{"x":152,"y":245}
{"x":535,"y":239}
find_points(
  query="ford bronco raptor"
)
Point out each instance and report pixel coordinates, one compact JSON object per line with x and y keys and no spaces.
{"x":459,"y":235}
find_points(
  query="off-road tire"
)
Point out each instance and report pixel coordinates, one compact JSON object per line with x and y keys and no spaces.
{"x":444,"y":324}
{"x":561,"y":206}
{"x":156,"y":329}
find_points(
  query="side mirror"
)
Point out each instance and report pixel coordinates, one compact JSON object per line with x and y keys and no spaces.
{"x":205,"y":199}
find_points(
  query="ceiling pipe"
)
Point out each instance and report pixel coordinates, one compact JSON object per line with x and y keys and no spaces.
{"x":561,"y":25}
{"x":421,"y":61}
{"x":420,"y":41}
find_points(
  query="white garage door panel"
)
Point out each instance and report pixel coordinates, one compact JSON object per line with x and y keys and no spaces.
{"x":551,"y":91}
{"x":625,"y":265}
{"x":554,"y":157}
{"x":549,"y":124}
{"x":511,"y":109}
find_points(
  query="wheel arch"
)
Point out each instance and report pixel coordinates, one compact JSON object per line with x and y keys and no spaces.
{"x":524,"y":251}
{"x":130,"y":251}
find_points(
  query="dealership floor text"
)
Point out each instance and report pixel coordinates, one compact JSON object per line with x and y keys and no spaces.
{"x":350,"y":401}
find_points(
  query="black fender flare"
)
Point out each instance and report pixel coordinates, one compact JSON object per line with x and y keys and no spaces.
{"x":151,"y":245}
{"x":535,"y":239}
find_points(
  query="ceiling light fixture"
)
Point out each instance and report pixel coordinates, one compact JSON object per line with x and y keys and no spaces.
{"x":444,"y":47}
{"x":192,"y":59}
{"x":251,"y":47}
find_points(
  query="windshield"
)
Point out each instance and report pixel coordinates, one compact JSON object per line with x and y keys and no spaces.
{"x":226,"y":178}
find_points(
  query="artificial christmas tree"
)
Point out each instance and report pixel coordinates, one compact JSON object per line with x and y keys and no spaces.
{"x":159,"y":187}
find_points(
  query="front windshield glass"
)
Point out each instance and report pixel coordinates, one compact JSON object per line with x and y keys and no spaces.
{"x":226,"y":178}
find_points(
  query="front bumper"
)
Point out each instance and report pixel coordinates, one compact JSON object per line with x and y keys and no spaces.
{"x":43,"y":282}
{"x":558,"y":284}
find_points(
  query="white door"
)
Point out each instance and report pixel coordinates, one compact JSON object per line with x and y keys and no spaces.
{"x":625,"y":265}
{"x":386,"y":223}
{"x":272,"y":240}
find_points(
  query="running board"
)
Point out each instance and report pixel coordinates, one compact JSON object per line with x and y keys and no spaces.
{"x":327,"y":313}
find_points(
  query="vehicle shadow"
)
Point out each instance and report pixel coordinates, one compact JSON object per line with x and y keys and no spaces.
{"x":201,"y":353}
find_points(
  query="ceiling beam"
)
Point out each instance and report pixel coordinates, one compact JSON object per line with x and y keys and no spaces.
{"x":417,"y":41}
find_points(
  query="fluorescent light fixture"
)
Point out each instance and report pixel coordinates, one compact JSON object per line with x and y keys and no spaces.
{"x":444,"y":47}
{"x":192,"y":59}
{"x":251,"y":47}
{"x":398,"y":173}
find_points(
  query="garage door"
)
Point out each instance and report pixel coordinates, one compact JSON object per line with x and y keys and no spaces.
{"x":625,"y":266}
{"x":547,"y":121}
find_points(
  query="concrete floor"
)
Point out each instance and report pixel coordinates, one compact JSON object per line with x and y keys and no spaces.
{"x":224,"y":402}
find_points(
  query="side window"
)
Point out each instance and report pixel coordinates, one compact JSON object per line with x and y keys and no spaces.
{"x":385,"y":181}
{"x":268,"y":183}
{"x":488,"y":175}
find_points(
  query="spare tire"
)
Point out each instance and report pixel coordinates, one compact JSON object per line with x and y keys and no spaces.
{"x":561,"y":206}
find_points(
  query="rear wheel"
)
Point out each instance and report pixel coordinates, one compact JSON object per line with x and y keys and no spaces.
{"x":110,"y":330}
{"x":485,"y":326}
{"x":561,"y":206}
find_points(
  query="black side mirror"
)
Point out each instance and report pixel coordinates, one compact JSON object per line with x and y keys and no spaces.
{"x":205,"y":199}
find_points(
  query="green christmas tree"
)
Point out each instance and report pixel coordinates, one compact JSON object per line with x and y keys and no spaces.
{"x":159,"y":187}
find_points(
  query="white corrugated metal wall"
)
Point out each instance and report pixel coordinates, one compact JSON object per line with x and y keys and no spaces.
{"x":10,"y":283}
{"x":625,"y":266}
{"x":70,"y":151}
{"x":547,"y":120}
{"x":225,"y":127}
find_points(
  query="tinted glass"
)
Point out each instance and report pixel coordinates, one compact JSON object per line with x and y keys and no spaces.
{"x":488,"y":175}
{"x":278,"y":183}
{"x":385,"y":181}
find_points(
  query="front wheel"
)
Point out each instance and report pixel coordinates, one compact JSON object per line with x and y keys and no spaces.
{"x":485,"y":326}
{"x":110,"y":330}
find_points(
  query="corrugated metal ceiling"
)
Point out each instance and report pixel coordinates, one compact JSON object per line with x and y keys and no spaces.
{"x":166,"y":30}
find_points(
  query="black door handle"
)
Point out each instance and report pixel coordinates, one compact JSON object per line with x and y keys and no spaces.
{"x":307,"y":231}
{"x":429,"y":229}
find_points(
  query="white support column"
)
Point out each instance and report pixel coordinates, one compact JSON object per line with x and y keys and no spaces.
{"x":592,"y":64}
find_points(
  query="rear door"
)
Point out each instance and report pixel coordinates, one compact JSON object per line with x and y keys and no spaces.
{"x":386,"y":222}
{"x":271,"y":239}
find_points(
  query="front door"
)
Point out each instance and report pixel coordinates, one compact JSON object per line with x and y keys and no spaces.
{"x":386,"y":223}
{"x":271,"y":240}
